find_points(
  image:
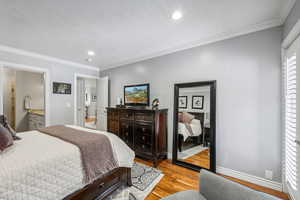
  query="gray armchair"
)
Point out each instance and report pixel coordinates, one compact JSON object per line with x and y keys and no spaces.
{"x":214,"y":187}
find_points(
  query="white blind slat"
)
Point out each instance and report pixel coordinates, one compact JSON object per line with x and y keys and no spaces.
{"x":291,"y":122}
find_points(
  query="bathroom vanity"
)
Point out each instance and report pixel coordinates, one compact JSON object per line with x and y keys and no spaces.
{"x":36,"y":119}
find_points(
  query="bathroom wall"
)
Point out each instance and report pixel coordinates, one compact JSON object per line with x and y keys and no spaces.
{"x":28,"y":84}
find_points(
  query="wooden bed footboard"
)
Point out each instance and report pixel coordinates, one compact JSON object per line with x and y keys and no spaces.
{"x":104,"y":186}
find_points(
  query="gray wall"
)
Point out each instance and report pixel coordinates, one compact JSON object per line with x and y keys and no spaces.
{"x":60,"y":112}
{"x":247,"y":70}
{"x":292,"y":19}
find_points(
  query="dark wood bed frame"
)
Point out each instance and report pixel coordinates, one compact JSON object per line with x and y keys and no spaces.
{"x":104,"y":186}
{"x":199,"y":116}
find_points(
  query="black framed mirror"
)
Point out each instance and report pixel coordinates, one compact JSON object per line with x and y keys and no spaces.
{"x":194,"y":134}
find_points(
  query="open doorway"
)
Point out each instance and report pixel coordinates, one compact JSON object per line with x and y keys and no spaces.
{"x":86,"y":102}
{"x":91,"y":100}
{"x":23,"y":99}
{"x":90,"y":118}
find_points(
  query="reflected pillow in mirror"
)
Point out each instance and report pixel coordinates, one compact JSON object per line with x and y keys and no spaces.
{"x":180,"y":117}
{"x":187,"y":117}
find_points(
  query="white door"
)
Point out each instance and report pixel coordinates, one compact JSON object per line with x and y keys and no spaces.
{"x":292,"y":120}
{"x":80,"y":105}
{"x":102,"y":103}
{"x":1,"y":91}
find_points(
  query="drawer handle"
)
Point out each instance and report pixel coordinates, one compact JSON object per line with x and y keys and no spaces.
{"x":101,"y":185}
{"x":143,"y":146}
{"x":143,"y":138}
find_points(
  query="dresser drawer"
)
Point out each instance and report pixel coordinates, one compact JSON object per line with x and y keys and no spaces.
{"x":143,"y":139}
{"x":112,"y":115}
{"x":144,"y":148}
{"x":126,"y":115}
{"x":148,"y":117}
{"x":143,"y":129}
{"x":126,"y":132}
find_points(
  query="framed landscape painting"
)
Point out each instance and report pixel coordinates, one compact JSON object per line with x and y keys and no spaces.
{"x":62,"y":88}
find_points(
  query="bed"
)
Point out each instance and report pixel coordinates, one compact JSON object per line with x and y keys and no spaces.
{"x":43,"y":167}
{"x":196,"y":126}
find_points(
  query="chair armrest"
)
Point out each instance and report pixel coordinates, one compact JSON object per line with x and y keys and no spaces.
{"x":214,"y":187}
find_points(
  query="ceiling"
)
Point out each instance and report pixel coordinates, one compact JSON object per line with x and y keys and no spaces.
{"x":126,"y":31}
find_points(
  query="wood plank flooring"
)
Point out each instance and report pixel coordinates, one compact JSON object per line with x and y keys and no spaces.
{"x":178,"y":179}
{"x":90,"y":120}
{"x":200,"y":159}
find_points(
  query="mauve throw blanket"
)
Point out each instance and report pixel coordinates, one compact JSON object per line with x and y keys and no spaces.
{"x":96,"y":150}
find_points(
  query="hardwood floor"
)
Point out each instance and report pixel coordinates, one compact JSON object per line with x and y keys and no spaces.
{"x":90,"y":120}
{"x":200,"y":159}
{"x":178,"y":179}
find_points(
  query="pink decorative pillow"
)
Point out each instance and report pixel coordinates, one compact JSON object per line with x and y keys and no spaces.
{"x":6,"y":138}
{"x":187,"y":118}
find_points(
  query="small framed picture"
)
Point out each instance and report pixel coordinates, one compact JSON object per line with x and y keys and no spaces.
{"x":62,"y":88}
{"x":197,"y":102}
{"x":94,"y":98}
{"x":182,"y":102}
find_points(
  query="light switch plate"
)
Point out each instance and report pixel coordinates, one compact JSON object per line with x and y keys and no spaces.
{"x":269,"y":174}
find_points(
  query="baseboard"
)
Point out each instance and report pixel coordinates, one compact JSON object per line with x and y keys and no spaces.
{"x":250,"y":178}
{"x":246,"y":177}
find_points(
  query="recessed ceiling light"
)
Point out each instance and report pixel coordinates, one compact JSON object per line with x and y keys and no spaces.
{"x":91,"y":53}
{"x":89,"y":59}
{"x":176,"y":15}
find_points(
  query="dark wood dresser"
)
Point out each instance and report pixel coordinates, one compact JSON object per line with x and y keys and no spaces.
{"x":143,"y":130}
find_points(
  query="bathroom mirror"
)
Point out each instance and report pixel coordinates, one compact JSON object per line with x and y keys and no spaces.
{"x":194,"y":125}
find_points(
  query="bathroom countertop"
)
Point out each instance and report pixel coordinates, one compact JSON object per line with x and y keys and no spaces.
{"x":37,"y":112}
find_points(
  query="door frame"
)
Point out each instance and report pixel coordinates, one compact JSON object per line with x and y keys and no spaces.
{"x":31,"y":68}
{"x":84,"y":76}
{"x":289,"y":39}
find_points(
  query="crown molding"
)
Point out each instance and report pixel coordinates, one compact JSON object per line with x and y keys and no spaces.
{"x":46,"y":58}
{"x":292,"y":36}
{"x":285,"y":11}
{"x":216,"y":38}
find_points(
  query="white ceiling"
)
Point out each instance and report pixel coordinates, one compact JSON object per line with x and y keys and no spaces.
{"x":126,"y":31}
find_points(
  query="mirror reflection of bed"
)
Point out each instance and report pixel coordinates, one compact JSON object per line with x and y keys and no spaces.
{"x":193,"y":126}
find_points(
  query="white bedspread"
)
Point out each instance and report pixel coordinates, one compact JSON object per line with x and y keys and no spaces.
{"x":40,"y":167}
{"x":196,"y":128}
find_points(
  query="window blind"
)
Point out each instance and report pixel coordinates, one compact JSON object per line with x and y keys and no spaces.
{"x":290,"y":123}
